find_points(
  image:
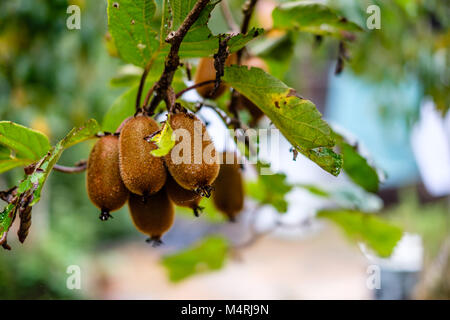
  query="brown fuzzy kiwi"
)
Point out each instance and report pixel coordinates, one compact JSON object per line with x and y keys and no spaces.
{"x":206,"y":72}
{"x":152,"y":215}
{"x":142,"y":173}
{"x":182,"y":197}
{"x":197,"y":170}
{"x":243,"y":102}
{"x":228,"y":194}
{"x":104,"y":184}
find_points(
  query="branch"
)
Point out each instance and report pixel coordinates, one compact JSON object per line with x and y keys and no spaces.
{"x":79,"y":167}
{"x":247,"y":10}
{"x":8,"y":195}
{"x":200,"y":84}
{"x":172,"y":62}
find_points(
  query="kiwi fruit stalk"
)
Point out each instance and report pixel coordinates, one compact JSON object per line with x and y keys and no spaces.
{"x":141,"y":172}
{"x":228,"y":194}
{"x":193,"y":161}
{"x":104,"y":184}
{"x":206,"y":72}
{"x":152,"y":215}
{"x":182,"y":197}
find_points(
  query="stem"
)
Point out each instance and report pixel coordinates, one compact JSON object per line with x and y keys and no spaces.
{"x":200,"y":84}
{"x":141,"y":87}
{"x":173,"y":60}
{"x":79,"y":167}
{"x":226,"y":12}
{"x":247,"y":10}
{"x":148,"y":96}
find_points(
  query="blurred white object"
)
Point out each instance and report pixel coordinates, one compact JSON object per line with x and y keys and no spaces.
{"x":407,"y":255}
{"x":430,"y":141}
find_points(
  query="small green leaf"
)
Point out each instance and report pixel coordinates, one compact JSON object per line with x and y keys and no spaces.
{"x":358,"y":169}
{"x":315,"y":190}
{"x":25,"y":142}
{"x":204,"y":256}
{"x":6,"y":219}
{"x":297,"y":119}
{"x":269,"y":189}
{"x":165,"y":140}
{"x":377,"y":233}
{"x":199,"y":41}
{"x":312,"y":17}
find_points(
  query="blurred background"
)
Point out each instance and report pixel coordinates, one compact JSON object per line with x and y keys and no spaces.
{"x":391,"y":98}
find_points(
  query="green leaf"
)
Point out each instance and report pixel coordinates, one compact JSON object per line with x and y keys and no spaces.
{"x":30,"y":188}
{"x":8,"y":164}
{"x":197,"y":45}
{"x":5,"y":153}
{"x":377,"y":233}
{"x":165,"y":140}
{"x":129,"y":25}
{"x":207,"y":255}
{"x":35,"y":181}
{"x":6,"y":219}
{"x":199,"y":41}
{"x":269,"y":189}
{"x":137,"y":39}
{"x":358,"y":169}
{"x":278,"y":53}
{"x":297,"y":119}
{"x":315,"y":190}
{"x":25,"y":142}
{"x":87,"y":131}
{"x":8,"y":161}
{"x":312,"y":17}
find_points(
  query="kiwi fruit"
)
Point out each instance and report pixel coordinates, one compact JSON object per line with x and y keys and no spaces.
{"x":152,"y":215}
{"x":141,"y":172}
{"x":197,"y":170}
{"x":206,"y":72}
{"x":243,"y":102}
{"x":104,"y":184}
{"x":182,"y":197}
{"x":228,"y":194}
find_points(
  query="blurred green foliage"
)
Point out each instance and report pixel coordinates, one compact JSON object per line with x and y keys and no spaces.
{"x":413,"y":42}
{"x":52,"y":79}
{"x":208,"y":254}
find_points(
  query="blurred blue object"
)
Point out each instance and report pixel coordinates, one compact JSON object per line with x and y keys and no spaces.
{"x":380,"y":115}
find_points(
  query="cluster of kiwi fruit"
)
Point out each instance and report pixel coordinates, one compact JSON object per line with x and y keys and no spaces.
{"x":121,"y":167}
